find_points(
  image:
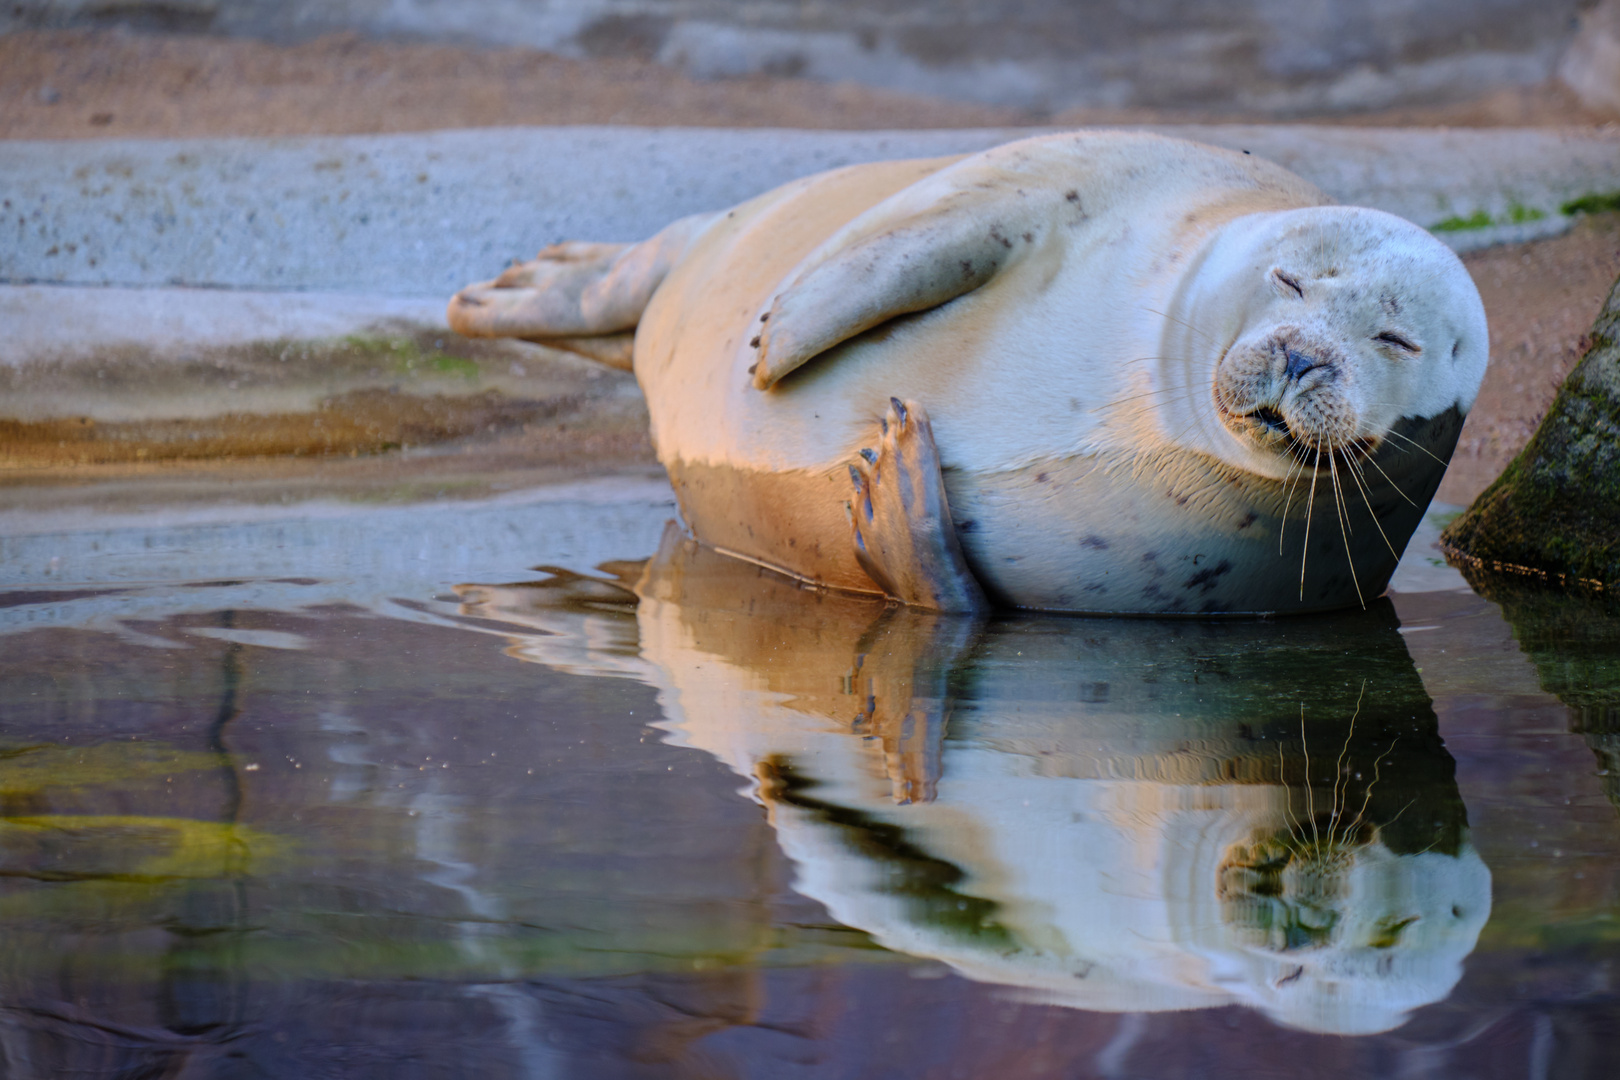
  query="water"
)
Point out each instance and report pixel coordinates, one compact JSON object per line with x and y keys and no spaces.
{"x":446,"y":790}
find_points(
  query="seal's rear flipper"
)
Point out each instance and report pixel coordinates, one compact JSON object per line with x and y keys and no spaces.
{"x":576,"y":291}
{"x":902,"y":529}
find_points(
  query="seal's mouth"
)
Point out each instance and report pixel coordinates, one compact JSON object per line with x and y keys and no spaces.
{"x":1272,"y":420}
{"x":1268,"y":427}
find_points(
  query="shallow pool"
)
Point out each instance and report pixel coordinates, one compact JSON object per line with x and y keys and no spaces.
{"x":532,"y":787}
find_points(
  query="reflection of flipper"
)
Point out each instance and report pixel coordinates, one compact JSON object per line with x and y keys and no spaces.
{"x":901,"y":676}
{"x":903,"y":534}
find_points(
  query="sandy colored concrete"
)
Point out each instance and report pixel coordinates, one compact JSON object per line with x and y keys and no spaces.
{"x":1267,"y":59}
{"x":80,"y":84}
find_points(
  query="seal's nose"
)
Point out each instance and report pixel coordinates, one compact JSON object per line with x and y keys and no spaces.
{"x":1299,"y":363}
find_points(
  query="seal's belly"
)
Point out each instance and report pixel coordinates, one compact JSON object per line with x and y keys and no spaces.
{"x":1098,"y":536}
{"x":1179,"y":536}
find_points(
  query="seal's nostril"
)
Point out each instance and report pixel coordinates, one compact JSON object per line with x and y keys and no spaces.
{"x":1299,"y":364}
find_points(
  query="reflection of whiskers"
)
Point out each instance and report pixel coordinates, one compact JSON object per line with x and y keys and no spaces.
{"x":1282,"y":888}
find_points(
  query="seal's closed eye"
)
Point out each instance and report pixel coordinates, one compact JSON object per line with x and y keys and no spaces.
{"x":1390,"y":337}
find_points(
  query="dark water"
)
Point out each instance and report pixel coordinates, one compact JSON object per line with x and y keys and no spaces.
{"x":376,"y":793}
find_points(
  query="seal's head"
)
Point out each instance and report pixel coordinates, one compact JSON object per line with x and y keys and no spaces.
{"x":1347,"y":936}
{"x":1329,"y":326}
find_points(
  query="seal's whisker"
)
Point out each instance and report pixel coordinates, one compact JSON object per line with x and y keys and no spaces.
{"x":1338,"y":766}
{"x":1290,"y":481}
{"x":1182,"y":322}
{"x":1288,"y":801}
{"x":1310,"y":792}
{"x":1393,"y":434}
{"x":1310,"y":506}
{"x":1134,"y":397}
{"x":1344,"y":530}
{"x":1182,"y":430}
{"x":1367,"y":796}
{"x":1373,"y":461}
{"x":1366,"y":497}
{"x":1339,"y":501}
{"x":1354,"y":462}
{"x":1397,"y":817}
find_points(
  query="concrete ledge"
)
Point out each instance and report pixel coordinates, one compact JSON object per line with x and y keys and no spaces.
{"x":420,"y":215}
{"x":65,"y":322}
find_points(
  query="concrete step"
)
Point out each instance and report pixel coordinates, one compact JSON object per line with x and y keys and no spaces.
{"x":421,"y":215}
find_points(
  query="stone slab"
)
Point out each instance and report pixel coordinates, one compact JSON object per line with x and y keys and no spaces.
{"x":64,"y":322}
{"x":420,"y":215}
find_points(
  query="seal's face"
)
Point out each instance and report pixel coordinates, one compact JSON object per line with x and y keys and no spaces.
{"x":1347,"y":321}
{"x":1345,"y":936}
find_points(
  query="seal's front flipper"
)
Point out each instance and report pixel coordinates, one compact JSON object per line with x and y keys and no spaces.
{"x":946,"y":235}
{"x":903,"y":534}
{"x":575,"y":290}
{"x":906,"y":263}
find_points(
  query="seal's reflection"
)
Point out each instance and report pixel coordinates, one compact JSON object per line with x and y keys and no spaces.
{"x":1117,"y":815}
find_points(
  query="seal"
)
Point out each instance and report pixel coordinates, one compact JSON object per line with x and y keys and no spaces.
{"x":1100,"y":372}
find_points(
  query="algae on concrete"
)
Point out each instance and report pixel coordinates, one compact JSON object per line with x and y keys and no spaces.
{"x":1554,"y":513}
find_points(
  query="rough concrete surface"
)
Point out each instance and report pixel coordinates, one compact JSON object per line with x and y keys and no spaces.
{"x":51,"y":322}
{"x":421,"y":215}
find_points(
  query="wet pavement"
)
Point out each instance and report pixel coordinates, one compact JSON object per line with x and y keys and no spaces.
{"x":531,"y":786}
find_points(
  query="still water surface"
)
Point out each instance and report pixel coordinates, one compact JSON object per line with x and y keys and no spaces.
{"x":533,"y":788}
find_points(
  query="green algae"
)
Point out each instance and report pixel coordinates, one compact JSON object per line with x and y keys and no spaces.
{"x":129,"y":848}
{"x":410,"y":356}
{"x":1479,"y":219}
{"x":30,"y":772}
{"x":1594,"y":203}
{"x":1517,"y":214}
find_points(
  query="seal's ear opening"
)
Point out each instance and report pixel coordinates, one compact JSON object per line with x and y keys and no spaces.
{"x":892,"y":260}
